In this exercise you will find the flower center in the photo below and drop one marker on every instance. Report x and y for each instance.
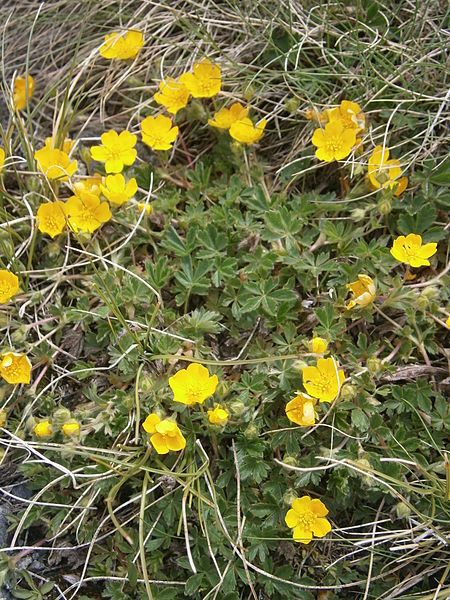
(306, 520)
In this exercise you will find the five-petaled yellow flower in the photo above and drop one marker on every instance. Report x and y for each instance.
(118, 190)
(411, 251)
(122, 45)
(116, 151)
(55, 164)
(9, 285)
(43, 429)
(86, 213)
(67, 145)
(15, 368)
(165, 434)
(51, 218)
(173, 95)
(349, 114)
(324, 380)
(307, 518)
(2, 159)
(245, 132)
(363, 292)
(225, 117)
(318, 345)
(71, 428)
(193, 384)
(159, 132)
(23, 91)
(205, 81)
(218, 415)
(384, 173)
(301, 410)
(334, 141)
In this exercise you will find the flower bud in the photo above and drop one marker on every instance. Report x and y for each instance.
(348, 391)
(289, 496)
(385, 204)
(61, 415)
(249, 93)
(292, 105)
(290, 460)
(402, 510)
(237, 408)
(252, 432)
(374, 364)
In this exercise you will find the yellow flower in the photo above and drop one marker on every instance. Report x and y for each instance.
(55, 164)
(86, 213)
(317, 116)
(51, 218)
(15, 368)
(193, 384)
(173, 95)
(122, 45)
(350, 115)
(3, 418)
(245, 132)
(225, 117)
(116, 151)
(307, 518)
(205, 81)
(43, 429)
(9, 285)
(334, 142)
(2, 159)
(117, 190)
(363, 292)
(218, 415)
(142, 206)
(300, 410)
(67, 145)
(318, 345)
(23, 91)
(409, 250)
(158, 132)
(90, 184)
(447, 322)
(71, 428)
(324, 380)
(165, 434)
(384, 173)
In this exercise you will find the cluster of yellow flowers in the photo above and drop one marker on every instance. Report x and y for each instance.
(190, 386)
(340, 135)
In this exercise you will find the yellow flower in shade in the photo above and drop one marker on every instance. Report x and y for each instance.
(363, 292)
(384, 173)
(307, 519)
(411, 251)
(55, 164)
(116, 151)
(3, 418)
(159, 132)
(350, 115)
(15, 368)
(142, 206)
(122, 45)
(23, 91)
(71, 428)
(43, 429)
(90, 184)
(2, 159)
(118, 190)
(324, 380)
(334, 141)
(301, 410)
(67, 144)
(218, 415)
(318, 345)
(205, 81)
(51, 218)
(447, 322)
(9, 285)
(245, 132)
(225, 117)
(165, 434)
(86, 213)
(193, 384)
(173, 95)
(312, 114)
